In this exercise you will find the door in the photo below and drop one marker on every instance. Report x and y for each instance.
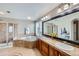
(7, 32)
(76, 29)
(12, 31)
(3, 33)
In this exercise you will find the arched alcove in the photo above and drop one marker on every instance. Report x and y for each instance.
(75, 29)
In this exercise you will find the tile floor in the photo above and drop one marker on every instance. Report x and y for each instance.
(19, 51)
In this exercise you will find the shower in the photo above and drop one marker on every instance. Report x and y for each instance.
(7, 33)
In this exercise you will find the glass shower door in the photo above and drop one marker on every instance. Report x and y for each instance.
(12, 33)
(7, 33)
(3, 38)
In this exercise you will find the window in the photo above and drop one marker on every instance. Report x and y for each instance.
(10, 29)
(26, 30)
(39, 28)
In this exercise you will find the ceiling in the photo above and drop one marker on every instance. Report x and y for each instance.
(21, 11)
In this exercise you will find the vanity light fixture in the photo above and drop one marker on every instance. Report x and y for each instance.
(59, 10)
(43, 18)
(66, 6)
(46, 17)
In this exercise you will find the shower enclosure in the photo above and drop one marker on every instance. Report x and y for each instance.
(7, 33)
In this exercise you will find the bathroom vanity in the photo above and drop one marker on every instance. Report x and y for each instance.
(53, 47)
(47, 50)
(60, 28)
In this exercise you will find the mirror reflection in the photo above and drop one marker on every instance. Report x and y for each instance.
(66, 27)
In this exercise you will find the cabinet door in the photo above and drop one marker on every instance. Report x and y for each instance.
(53, 52)
(44, 48)
(38, 45)
(63, 54)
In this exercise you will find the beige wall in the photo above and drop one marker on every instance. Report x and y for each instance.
(21, 24)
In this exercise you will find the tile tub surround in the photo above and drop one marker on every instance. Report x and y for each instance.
(24, 43)
(18, 51)
(74, 51)
(27, 42)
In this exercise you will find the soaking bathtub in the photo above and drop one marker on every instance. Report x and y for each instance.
(27, 42)
(29, 38)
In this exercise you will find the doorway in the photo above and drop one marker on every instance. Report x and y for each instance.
(76, 30)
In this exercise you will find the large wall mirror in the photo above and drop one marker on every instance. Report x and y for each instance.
(64, 26)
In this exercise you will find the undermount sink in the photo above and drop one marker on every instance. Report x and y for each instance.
(64, 46)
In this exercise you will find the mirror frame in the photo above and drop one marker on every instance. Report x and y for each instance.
(58, 16)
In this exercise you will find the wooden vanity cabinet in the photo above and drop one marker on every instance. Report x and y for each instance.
(38, 44)
(47, 50)
(44, 48)
(53, 52)
(56, 52)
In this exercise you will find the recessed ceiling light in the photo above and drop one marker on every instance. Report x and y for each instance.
(1, 13)
(28, 17)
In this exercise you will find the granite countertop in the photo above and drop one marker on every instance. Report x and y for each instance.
(70, 50)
